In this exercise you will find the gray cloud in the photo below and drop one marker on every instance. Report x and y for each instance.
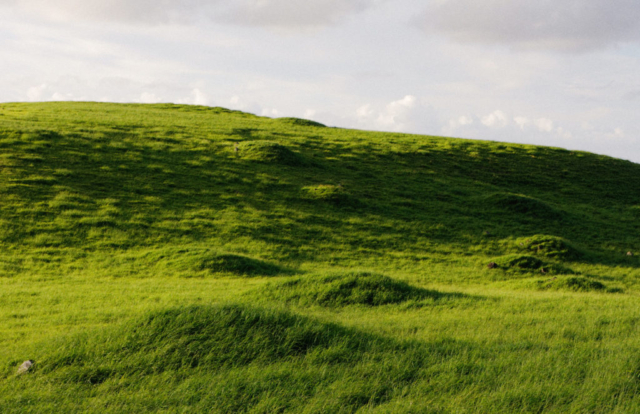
(285, 13)
(559, 25)
(261, 13)
(632, 95)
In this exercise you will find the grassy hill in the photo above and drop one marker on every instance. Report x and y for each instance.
(173, 258)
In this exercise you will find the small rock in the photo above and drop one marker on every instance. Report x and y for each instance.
(492, 265)
(26, 366)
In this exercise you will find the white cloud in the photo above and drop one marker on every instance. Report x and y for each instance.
(293, 14)
(57, 96)
(409, 114)
(265, 13)
(617, 133)
(465, 120)
(271, 112)
(496, 119)
(396, 113)
(562, 133)
(36, 93)
(456, 124)
(544, 124)
(196, 97)
(148, 97)
(521, 121)
(573, 26)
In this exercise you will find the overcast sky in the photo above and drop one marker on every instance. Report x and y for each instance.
(563, 73)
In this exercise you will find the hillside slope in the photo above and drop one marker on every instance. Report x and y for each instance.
(113, 213)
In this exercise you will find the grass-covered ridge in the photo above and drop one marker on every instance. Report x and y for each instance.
(327, 270)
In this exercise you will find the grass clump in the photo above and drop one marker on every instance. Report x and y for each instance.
(523, 263)
(332, 194)
(269, 152)
(549, 246)
(350, 288)
(523, 205)
(300, 122)
(238, 265)
(574, 284)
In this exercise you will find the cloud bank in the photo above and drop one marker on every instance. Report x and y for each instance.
(558, 25)
(260, 13)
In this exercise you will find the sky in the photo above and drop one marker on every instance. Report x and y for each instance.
(563, 73)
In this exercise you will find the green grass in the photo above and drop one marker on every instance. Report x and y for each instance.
(175, 258)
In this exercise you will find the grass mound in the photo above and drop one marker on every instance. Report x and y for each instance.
(301, 122)
(332, 194)
(238, 265)
(574, 284)
(228, 359)
(268, 151)
(524, 205)
(352, 288)
(549, 246)
(525, 263)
